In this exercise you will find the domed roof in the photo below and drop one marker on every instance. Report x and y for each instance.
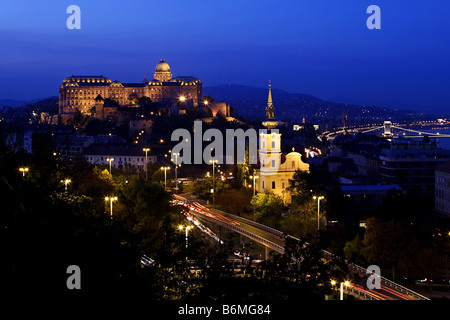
(162, 66)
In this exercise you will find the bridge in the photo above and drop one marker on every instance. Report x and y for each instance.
(388, 127)
(274, 240)
(387, 131)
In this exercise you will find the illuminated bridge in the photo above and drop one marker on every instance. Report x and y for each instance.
(274, 240)
(388, 127)
(386, 130)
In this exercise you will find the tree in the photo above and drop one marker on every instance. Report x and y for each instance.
(267, 205)
(235, 201)
(146, 207)
(203, 188)
(383, 243)
(302, 222)
(352, 250)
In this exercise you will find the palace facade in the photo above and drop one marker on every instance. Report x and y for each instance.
(80, 92)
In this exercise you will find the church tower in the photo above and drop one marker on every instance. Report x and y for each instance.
(276, 168)
(269, 146)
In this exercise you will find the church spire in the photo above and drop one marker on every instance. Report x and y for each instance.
(269, 100)
(271, 123)
(270, 110)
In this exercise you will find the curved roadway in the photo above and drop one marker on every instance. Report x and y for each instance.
(274, 239)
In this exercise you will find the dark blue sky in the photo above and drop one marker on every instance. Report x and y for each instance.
(317, 47)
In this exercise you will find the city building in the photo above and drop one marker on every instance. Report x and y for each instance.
(125, 157)
(276, 168)
(369, 196)
(79, 92)
(411, 165)
(87, 94)
(442, 189)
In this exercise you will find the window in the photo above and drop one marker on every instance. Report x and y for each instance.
(273, 144)
(273, 163)
(282, 185)
(263, 185)
(293, 163)
(273, 184)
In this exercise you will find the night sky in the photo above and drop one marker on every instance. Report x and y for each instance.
(317, 47)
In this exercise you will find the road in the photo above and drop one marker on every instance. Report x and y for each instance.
(274, 239)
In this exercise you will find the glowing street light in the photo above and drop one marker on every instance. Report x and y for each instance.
(341, 288)
(187, 228)
(110, 160)
(146, 166)
(176, 171)
(24, 170)
(66, 182)
(318, 211)
(111, 200)
(182, 98)
(165, 176)
(214, 181)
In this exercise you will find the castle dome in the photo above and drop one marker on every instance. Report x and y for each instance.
(162, 66)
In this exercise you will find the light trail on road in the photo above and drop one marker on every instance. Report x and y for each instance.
(277, 238)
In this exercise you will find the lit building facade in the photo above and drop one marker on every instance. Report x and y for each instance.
(276, 168)
(125, 157)
(80, 92)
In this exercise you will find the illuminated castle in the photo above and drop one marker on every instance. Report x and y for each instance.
(80, 92)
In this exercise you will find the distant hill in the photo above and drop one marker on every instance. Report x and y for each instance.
(226, 92)
(12, 103)
(250, 102)
(46, 105)
(23, 103)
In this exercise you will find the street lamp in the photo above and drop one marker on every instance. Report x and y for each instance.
(318, 211)
(146, 165)
(111, 200)
(176, 171)
(187, 228)
(214, 180)
(165, 176)
(110, 160)
(254, 189)
(341, 288)
(24, 170)
(66, 182)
